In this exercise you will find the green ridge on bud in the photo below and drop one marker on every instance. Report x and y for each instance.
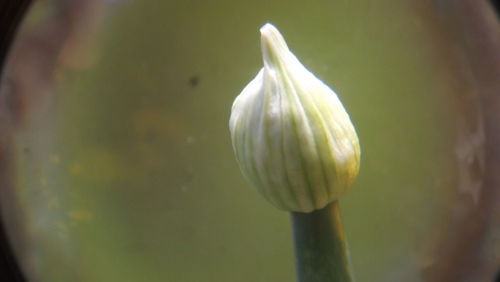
(292, 137)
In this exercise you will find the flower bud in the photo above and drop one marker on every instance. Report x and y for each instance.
(292, 137)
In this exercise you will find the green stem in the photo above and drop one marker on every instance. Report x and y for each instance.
(321, 249)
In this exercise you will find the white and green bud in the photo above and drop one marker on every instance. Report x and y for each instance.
(292, 137)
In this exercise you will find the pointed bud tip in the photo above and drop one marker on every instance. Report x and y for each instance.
(268, 28)
(273, 44)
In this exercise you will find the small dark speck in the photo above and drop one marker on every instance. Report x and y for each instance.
(194, 80)
(27, 150)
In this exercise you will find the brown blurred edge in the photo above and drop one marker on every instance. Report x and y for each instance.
(11, 13)
(471, 29)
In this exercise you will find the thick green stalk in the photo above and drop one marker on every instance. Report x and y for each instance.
(320, 246)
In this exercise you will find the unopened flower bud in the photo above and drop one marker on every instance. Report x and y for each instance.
(292, 137)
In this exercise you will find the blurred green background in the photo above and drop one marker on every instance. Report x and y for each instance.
(124, 169)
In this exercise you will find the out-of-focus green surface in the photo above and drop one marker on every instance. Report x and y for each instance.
(129, 174)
